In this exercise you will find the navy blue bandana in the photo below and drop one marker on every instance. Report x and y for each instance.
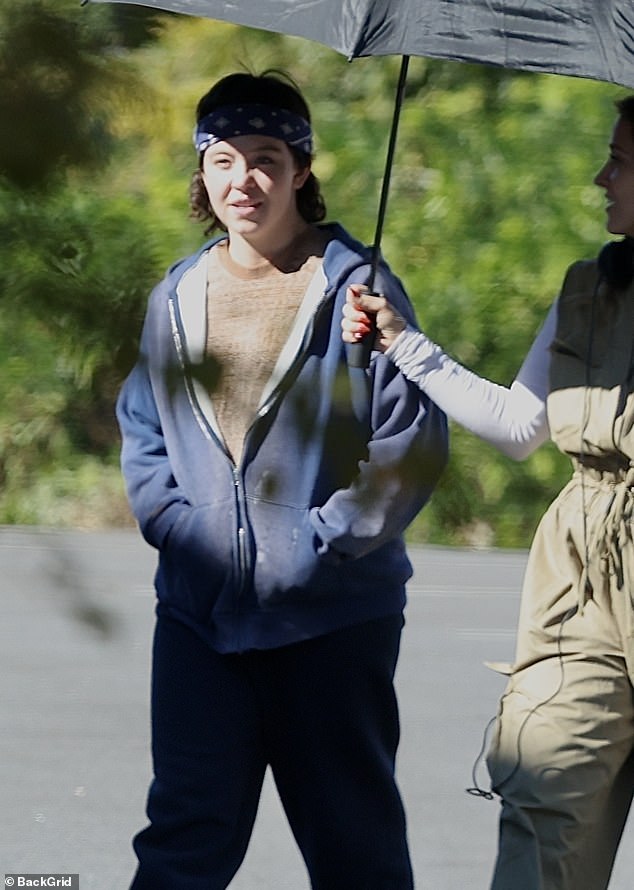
(246, 120)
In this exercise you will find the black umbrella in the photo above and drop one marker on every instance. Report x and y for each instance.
(584, 38)
(580, 38)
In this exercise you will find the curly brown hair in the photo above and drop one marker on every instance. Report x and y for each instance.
(273, 88)
(625, 108)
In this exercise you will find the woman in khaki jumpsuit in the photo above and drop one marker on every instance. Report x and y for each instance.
(562, 756)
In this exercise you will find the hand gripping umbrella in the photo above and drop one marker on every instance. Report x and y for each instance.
(579, 38)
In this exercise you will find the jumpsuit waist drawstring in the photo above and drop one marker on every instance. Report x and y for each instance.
(608, 554)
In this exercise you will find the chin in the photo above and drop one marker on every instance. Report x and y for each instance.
(617, 227)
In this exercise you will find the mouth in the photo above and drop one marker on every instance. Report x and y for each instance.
(245, 200)
(245, 207)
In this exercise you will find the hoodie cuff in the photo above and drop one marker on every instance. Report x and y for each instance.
(324, 549)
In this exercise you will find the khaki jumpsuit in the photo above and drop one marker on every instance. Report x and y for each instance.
(562, 753)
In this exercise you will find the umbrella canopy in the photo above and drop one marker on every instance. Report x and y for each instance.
(578, 38)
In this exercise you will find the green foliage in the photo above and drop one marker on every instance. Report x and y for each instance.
(75, 264)
(52, 69)
(491, 199)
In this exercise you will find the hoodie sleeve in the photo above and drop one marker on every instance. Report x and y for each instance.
(153, 493)
(406, 454)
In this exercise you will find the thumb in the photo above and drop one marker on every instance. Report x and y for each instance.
(358, 296)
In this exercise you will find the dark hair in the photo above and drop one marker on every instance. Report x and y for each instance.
(625, 108)
(267, 88)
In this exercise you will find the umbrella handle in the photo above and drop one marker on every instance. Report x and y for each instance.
(359, 352)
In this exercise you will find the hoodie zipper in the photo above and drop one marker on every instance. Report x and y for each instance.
(244, 563)
(244, 560)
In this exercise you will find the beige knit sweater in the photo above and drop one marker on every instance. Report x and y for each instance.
(250, 313)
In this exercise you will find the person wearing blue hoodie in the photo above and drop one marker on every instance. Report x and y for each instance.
(275, 482)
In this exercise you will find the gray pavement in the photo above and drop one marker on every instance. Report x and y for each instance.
(75, 635)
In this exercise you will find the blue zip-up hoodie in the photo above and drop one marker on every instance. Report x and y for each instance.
(303, 536)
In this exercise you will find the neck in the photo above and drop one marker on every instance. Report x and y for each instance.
(251, 255)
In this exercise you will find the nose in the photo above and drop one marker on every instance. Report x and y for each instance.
(602, 177)
(241, 173)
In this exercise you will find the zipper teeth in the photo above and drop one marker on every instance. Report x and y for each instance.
(243, 561)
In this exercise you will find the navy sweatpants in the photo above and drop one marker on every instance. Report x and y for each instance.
(322, 713)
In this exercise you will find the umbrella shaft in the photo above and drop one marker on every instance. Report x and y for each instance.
(376, 249)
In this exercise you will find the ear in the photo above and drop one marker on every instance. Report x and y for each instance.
(301, 175)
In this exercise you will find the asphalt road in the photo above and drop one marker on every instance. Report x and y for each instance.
(77, 615)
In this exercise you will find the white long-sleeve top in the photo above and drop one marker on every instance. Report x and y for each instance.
(512, 419)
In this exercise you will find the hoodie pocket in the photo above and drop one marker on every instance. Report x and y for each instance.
(288, 566)
(197, 562)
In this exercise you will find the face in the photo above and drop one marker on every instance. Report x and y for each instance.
(252, 183)
(617, 178)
